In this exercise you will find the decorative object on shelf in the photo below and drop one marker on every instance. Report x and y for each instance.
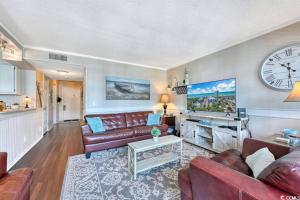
(187, 77)
(280, 69)
(2, 106)
(15, 106)
(287, 132)
(118, 88)
(180, 89)
(165, 98)
(155, 132)
(27, 101)
(294, 96)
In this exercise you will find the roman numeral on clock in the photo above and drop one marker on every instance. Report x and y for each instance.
(288, 52)
(268, 71)
(278, 82)
(277, 57)
(270, 79)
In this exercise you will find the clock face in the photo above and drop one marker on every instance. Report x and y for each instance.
(281, 69)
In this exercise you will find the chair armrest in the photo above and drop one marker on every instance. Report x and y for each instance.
(3, 163)
(252, 145)
(212, 180)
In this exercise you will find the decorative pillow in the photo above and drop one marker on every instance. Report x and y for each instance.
(95, 124)
(153, 119)
(259, 160)
(284, 173)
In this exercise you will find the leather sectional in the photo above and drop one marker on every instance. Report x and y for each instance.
(121, 129)
(227, 176)
(14, 185)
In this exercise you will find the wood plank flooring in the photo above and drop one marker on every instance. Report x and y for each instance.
(48, 159)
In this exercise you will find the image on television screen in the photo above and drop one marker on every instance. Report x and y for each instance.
(215, 96)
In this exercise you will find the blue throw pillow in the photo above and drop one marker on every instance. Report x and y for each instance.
(153, 119)
(95, 124)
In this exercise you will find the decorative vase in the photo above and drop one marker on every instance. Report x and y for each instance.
(155, 138)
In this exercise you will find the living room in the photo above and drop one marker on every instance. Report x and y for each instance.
(149, 100)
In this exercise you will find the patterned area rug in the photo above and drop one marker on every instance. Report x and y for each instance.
(105, 176)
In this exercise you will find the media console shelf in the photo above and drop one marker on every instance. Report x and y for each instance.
(215, 133)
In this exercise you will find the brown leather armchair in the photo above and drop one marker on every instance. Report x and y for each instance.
(14, 185)
(227, 176)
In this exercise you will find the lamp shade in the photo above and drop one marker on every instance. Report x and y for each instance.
(294, 96)
(164, 98)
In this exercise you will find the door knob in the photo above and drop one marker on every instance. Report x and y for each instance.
(64, 107)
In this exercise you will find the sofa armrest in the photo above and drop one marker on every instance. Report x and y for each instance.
(3, 163)
(86, 130)
(211, 180)
(252, 145)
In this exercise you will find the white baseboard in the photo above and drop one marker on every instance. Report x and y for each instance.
(21, 155)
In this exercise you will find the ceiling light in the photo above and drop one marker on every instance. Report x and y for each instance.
(62, 72)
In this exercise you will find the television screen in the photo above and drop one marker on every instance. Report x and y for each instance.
(215, 96)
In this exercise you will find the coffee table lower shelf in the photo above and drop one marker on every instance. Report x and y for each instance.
(150, 163)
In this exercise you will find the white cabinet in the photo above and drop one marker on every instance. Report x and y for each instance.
(223, 139)
(9, 79)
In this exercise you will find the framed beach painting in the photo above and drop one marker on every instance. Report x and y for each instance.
(119, 88)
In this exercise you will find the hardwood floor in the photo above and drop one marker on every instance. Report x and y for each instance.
(48, 159)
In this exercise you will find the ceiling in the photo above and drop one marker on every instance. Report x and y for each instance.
(74, 72)
(157, 33)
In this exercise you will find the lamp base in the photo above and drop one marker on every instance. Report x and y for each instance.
(165, 108)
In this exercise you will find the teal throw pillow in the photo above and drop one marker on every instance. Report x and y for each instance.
(95, 124)
(153, 119)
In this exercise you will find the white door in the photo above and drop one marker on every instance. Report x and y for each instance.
(71, 102)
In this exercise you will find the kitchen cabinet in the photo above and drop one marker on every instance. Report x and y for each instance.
(9, 79)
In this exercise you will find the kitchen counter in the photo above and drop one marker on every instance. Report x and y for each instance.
(16, 110)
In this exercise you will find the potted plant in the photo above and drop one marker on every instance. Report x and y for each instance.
(155, 132)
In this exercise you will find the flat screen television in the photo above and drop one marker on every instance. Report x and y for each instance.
(215, 96)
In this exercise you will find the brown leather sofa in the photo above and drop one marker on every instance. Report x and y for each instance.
(14, 185)
(121, 129)
(227, 176)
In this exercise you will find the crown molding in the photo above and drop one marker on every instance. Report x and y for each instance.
(91, 57)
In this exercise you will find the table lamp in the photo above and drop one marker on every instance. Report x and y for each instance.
(294, 96)
(165, 98)
(27, 100)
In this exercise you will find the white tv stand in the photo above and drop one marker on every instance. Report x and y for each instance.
(215, 133)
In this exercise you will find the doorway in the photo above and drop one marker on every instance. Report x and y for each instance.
(71, 100)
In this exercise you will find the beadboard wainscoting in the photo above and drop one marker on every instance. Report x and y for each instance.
(19, 132)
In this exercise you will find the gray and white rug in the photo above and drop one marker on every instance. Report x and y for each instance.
(105, 176)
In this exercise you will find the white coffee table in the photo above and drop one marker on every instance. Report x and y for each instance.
(134, 148)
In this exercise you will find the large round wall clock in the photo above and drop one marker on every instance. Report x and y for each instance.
(281, 69)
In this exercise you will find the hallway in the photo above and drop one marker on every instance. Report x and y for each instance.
(48, 159)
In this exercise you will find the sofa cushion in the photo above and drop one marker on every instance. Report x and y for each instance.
(185, 183)
(95, 124)
(259, 160)
(144, 130)
(153, 119)
(284, 173)
(111, 121)
(116, 134)
(232, 158)
(136, 118)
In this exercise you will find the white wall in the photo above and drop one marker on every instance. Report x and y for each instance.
(95, 99)
(268, 112)
(94, 82)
